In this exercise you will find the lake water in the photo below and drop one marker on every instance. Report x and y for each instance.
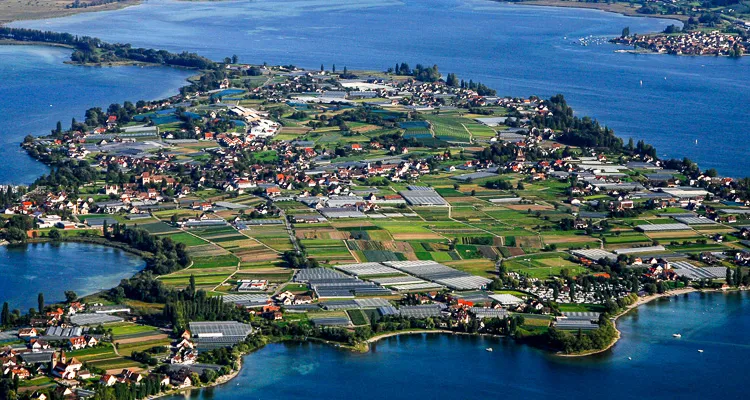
(458, 367)
(518, 50)
(37, 89)
(50, 268)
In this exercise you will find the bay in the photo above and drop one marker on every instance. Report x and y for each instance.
(647, 363)
(519, 50)
(37, 89)
(53, 268)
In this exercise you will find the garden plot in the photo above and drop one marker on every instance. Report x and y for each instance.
(187, 239)
(217, 261)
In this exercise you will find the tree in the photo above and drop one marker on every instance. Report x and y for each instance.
(70, 296)
(40, 302)
(5, 315)
(452, 80)
(191, 286)
(55, 235)
(14, 234)
(208, 375)
(729, 276)
(235, 59)
(625, 32)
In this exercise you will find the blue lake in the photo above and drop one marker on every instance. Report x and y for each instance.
(27, 270)
(37, 89)
(519, 50)
(647, 363)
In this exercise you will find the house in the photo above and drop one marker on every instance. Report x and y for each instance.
(38, 396)
(20, 372)
(77, 343)
(107, 380)
(273, 191)
(181, 378)
(128, 376)
(66, 370)
(28, 333)
(302, 299)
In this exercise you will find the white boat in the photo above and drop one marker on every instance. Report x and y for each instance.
(700, 351)
(488, 349)
(677, 335)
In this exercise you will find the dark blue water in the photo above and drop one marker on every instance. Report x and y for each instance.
(458, 367)
(519, 50)
(37, 89)
(27, 270)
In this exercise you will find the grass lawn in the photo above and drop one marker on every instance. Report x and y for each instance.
(130, 329)
(572, 307)
(357, 317)
(224, 260)
(187, 239)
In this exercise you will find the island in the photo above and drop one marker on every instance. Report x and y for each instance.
(276, 203)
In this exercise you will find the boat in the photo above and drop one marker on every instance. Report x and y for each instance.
(630, 358)
(700, 351)
(488, 349)
(677, 335)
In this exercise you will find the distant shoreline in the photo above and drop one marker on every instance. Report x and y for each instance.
(52, 12)
(617, 8)
(47, 12)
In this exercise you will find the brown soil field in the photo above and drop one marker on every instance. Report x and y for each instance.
(143, 339)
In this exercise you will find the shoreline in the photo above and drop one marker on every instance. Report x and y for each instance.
(641, 301)
(224, 379)
(49, 13)
(610, 8)
(374, 339)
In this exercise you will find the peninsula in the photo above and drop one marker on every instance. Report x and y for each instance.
(277, 203)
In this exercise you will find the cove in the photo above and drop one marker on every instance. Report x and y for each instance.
(647, 363)
(53, 268)
(37, 89)
(518, 50)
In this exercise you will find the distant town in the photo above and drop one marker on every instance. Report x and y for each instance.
(275, 203)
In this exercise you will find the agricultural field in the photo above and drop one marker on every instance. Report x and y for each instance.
(543, 265)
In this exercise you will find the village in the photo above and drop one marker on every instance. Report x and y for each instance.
(693, 43)
(341, 206)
